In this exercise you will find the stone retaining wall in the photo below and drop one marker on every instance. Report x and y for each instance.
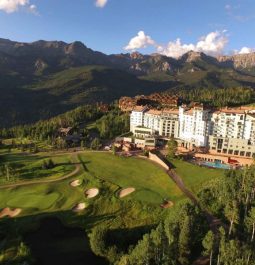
(156, 159)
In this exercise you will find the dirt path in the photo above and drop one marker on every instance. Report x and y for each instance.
(212, 220)
(35, 182)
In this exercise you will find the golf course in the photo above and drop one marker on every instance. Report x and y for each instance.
(83, 190)
(76, 192)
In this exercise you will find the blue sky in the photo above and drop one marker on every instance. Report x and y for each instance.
(111, 25)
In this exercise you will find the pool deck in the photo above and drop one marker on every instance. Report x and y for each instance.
(211, 157)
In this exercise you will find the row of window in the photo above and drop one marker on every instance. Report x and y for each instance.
(234, 152)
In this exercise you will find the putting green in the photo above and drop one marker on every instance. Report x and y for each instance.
(40, 201)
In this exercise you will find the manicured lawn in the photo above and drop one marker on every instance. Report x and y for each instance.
(105, 171)
(139, 210)
(195, 176)
(152, 184)
(29, 166)
(41, 198)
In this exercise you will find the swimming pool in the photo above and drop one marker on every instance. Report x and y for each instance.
(215, 165)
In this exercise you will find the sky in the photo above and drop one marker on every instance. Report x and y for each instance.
(169, 27)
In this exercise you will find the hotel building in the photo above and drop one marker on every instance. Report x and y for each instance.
(226, 131)
(233, 132)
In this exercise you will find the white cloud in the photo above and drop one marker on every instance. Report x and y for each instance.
(10, 6)
(175, 48)
(33, 9)
(101, 3)
(141, 40)
(245, 50)
(212, 44)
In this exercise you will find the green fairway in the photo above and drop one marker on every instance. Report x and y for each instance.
(139, 211)
(29, 166)
(152, 184)
(105, 171)
(40, 198)
(195, 176)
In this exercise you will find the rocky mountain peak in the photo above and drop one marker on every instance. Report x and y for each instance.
(239, 60)
(76, 47)
(191, 56)
(136, 55)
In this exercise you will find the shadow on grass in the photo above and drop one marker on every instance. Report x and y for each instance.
(132, 236)
(27, 157)
(51, 241)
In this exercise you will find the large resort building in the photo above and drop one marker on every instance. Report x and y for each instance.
(155, 122)
(195, 126)
(227, 132)
(233, 132)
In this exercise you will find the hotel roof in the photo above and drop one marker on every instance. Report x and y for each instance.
(139, 108)
(170, 111)
(154, 112)
(232, 111)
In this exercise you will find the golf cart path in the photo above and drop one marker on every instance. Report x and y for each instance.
(27, 183)
(212, 220)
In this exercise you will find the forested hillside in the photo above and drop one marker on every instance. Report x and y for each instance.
(42, 79)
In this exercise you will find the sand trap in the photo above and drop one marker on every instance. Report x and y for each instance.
(91, 193)
(167, 204)
(79, 207)
(126, 192)
(11, 213)
(76, 183)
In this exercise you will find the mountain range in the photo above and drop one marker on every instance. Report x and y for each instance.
(45, 78)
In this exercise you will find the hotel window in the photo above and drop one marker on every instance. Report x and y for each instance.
(248, 154)
(230, 152)
(242, 153)
(219, 144)
(236, 152)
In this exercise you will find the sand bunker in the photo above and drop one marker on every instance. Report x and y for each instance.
(11, 213)
(91, 193)
(126, 192)
(167, 204)
(76, 183)
(79, 207)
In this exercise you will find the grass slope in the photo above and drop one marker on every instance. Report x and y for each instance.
(29, 166)
(152, 183)
(107, 172)
(195, 177)
(132, 215)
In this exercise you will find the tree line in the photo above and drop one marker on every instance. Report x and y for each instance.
(218, 97)
(46, 130)
(184, 234)
(113, 124)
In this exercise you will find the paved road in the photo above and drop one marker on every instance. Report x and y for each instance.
(35, 182)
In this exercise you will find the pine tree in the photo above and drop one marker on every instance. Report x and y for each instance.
(184, 242)
(172, 148)
(251, 222)
(208, 244)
